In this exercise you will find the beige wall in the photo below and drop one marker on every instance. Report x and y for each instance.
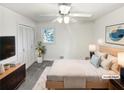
(115, 17)
(8, 26)
(71, 41)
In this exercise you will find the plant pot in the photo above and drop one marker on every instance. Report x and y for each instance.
(7, 67)
(39, 59)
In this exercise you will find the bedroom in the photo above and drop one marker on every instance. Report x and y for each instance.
(67, 41)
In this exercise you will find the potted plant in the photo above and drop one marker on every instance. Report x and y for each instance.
(41, 50)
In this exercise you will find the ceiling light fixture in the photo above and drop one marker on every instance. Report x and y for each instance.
(60, 19)
(66, 19)
(64, 9)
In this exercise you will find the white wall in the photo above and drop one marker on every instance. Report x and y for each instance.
(71, 41)
(8, 26)
(115, 17)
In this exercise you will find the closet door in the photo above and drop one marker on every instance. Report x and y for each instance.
(32, 45)
(31, 49)
(20, 44)
(25, 45)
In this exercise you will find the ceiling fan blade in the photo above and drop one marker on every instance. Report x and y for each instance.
(73, 20)
(80, 15)
(47, 15)
(53, 21)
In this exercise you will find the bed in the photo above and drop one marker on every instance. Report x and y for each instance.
(80, 73)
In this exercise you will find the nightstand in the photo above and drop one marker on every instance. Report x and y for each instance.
(116, 84)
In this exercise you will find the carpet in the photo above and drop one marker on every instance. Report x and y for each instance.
(41, 83)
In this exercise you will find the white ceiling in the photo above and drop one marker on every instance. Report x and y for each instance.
(34, 10)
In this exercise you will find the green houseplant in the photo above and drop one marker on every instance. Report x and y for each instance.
(41, 50)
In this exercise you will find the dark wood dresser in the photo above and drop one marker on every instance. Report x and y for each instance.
(13, 77)
(116, 84)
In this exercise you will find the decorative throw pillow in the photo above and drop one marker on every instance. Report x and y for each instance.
(115, 67)
(112, 58)
(95, 60)
(106, 64)
(98, 53)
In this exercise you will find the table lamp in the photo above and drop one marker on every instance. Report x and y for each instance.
(121, 63)
(92, 49)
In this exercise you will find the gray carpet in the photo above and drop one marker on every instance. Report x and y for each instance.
(33, 73)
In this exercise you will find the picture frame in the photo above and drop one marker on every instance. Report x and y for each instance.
(48, 35)
(114, 34)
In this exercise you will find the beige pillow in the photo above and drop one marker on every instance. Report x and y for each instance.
(100, 54)
(115, 67)
(112, 58)
(106, 64)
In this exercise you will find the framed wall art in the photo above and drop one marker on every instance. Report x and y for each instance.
(48, 35)
(115, 34)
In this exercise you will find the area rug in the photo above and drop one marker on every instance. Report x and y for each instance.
(41, 83)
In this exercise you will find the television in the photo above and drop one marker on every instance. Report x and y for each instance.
(7, 47)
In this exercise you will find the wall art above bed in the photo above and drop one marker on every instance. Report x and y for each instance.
(115, 34)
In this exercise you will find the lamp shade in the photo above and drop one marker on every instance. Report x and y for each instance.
(121, 58)
(100, 41)
(92, 47)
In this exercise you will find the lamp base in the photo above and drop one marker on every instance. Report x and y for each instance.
(122, 73)
(91, 54)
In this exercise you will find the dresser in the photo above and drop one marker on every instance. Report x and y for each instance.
(13, 77)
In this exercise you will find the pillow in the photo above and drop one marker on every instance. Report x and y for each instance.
(98, 53)
(112, 58)
(95, 60)
(115, 67)
(106, 64)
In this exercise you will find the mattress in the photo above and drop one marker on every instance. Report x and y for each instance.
(79, 68)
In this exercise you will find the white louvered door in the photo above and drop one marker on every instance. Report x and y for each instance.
(25, 41)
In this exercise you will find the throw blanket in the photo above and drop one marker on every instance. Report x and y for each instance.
(74, 82)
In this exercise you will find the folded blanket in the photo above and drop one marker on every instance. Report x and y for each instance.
(74, 82)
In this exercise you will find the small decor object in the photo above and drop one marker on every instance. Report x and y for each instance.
(92, 49)
(13, 64)
(6, 66)
(48, 35)
(121, 63)
(41, 50)
(2, 70)
(115, 34)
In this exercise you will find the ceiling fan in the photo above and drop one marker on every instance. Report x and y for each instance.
(64, 15)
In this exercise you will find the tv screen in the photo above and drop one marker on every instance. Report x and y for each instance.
(7, 47)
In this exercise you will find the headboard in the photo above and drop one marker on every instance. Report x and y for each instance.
(110, 50)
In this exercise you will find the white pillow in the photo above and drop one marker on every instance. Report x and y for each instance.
(106, 64)
(101, 54)
(112, 58)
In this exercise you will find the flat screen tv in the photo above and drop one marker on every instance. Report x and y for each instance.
(7, 47)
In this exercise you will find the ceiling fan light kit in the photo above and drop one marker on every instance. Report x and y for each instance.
(64, 9)
(65, 14)
(59, 19)
(66, 19)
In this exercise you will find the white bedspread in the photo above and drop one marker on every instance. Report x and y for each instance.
(62, 69)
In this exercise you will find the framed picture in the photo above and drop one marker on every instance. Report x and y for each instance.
(115, 34)
(48, 35)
